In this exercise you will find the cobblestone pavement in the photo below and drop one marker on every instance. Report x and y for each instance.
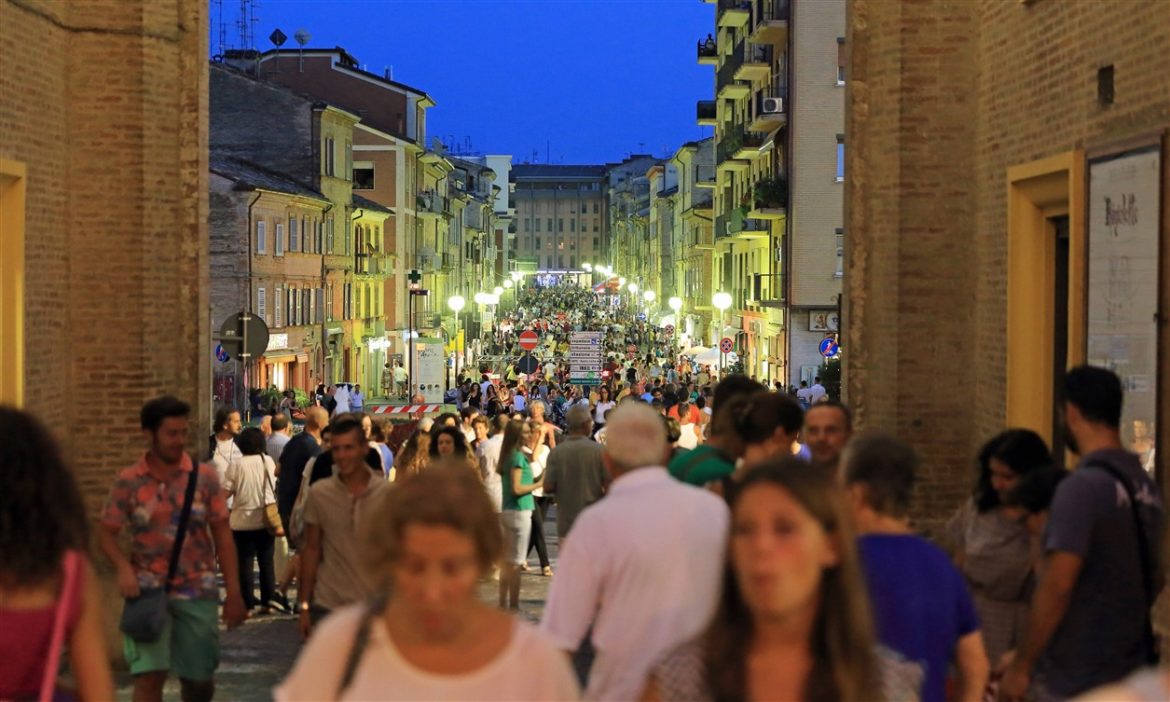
(256, 656)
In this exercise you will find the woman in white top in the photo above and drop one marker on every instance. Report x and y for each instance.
(223, 442)
(249, 482)
(603, 405)
(429, 637)
(537, 454)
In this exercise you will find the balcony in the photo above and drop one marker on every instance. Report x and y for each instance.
(733, 13)
(751, 145)
(770, 22)
(705, 113)
(740, 226)
(431, 204)
(769, 199)
(769, 290)
(727, 148)
(769, 110)
(726, 85)
(707, 52)
(757, 62)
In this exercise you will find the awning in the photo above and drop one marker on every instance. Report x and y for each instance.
(280, 356)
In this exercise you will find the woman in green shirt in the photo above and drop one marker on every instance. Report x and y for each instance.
(516, 515)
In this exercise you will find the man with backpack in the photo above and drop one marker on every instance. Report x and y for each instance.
(1090, 622)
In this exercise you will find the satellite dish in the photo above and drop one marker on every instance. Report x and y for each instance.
(278, 38)
(302, 37)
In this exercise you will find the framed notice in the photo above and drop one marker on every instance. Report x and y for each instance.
(1122, 284)
(823, 321)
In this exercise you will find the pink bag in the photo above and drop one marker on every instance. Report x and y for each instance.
(57, 643)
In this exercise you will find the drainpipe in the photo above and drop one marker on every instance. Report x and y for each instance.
(248, 300)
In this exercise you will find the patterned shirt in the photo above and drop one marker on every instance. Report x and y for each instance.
(151, 509)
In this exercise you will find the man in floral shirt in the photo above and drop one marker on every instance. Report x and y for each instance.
(148, 499)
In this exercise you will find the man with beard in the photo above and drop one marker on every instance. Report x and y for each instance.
(1090, 621)
(827, 428)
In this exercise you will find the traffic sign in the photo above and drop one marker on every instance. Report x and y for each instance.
(221, 354)
(829, 347)
(726, 345)
(527, 364)
(233, 332)
(669, 330)
(529, 340)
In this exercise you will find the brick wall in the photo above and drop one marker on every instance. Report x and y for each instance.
(942, 99)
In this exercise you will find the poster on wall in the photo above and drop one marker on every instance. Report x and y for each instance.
(430, 361)
(824, 321)
(1122, 285)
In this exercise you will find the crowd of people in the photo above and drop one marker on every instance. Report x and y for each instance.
(717, 542)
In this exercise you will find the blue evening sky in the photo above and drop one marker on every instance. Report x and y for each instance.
(585, 81)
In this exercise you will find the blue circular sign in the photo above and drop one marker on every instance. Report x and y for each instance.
(221, 354)
(829, 347)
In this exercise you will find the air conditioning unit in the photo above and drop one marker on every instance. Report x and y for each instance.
(773, 106)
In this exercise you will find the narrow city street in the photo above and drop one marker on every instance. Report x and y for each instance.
(258, 655)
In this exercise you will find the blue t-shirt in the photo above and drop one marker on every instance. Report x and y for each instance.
(920, 603)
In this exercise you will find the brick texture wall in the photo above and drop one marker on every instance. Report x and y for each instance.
(942, 99)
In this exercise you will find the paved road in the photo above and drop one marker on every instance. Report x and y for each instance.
(255, 657)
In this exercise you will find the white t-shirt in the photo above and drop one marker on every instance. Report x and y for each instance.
(600, 410)
(529, 668)
(804, 395)
(816, 392)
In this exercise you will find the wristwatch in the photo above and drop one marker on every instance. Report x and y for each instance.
(303, 606)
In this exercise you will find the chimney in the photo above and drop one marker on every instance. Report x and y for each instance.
(388, 73)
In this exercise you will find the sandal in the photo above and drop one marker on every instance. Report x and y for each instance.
(525, 568)
(547, 571)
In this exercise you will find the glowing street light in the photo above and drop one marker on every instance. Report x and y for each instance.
(588, 267)
(675, 303)
(648, 296)
(480, 298)
(456, 303)
(634, 288)
(498, 291)
(508, 283)
(517, 275)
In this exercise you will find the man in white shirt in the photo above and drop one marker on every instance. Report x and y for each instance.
(817, 391)
(342, 398)
(647, 558)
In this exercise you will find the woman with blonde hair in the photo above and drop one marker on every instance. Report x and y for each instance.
(427, 636)
(793, 622)
(414, 456)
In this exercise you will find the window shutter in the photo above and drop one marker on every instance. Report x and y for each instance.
(261, 306)
(293, 244)
(276, 306)
(278, 241)
(260, 237)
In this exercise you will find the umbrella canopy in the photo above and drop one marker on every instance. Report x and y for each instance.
(711, 357)
(694, 350)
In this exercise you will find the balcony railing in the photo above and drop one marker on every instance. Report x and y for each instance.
(731, 13)
(737, 138)
(771, 194)
(707, 52)
(433, 203)
(770, 11)
(726, 73)
(705, 173)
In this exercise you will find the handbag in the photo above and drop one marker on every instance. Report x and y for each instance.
(144, 617)
(1150, 642)
(60, 617)
(272, 521)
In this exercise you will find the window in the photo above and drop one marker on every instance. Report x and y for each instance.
(840, 253)
(550, 227)
(346, 235)
(261, 238)
(294, 243)
(572, 262)
(840, 158)
(329, 303)
(840, 60)
(278, 241)
(595, 204)
(550, 262)
(363, 177)
(319, 240)
(329, 154)
(595, 225)
(537, 228)
(276, 306)
(297, 307)
(306, 300)
(315, 306)
(261, 304)
(347, 313)
(348, 159)
(537, 246)
(560, 225)
(596, 241)
(329, 232)
(572, 225)
(290, 306)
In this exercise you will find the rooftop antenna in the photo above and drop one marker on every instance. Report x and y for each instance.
(222, 26)
(302, 38)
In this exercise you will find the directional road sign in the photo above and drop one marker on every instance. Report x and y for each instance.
(726, 345)
(529, 340)
(829, 347)
(221, 354)
(586, 357)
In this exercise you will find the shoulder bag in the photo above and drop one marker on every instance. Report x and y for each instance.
(272, 520)
(360, 640)
(1151, 643)
(144, 617)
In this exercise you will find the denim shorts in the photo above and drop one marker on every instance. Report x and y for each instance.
(517, 526)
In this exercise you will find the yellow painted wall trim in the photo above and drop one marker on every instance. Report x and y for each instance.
(13, 180)
(1039, 190)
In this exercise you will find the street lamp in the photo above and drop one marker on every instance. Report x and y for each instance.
(517, 275)
(675, 304)
(634, 288)
(648, 296)
(588, 267)
(498, 291)
(722, 301)
(456, 303)
(508, 283)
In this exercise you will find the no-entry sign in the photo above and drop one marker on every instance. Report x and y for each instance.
(528, 340)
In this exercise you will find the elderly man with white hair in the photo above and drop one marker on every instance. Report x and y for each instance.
(642, 566)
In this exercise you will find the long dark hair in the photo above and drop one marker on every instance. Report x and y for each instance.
(510, 448)
(456, 435)
(842, 643)
(41, 511)
(1022, 450)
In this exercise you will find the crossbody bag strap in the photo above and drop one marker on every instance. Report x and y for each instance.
(71, 565)
(360, 640)
(1143, 555)
(184, 518)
